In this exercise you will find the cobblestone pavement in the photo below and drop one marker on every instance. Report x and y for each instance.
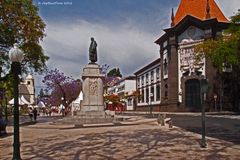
(145, 140)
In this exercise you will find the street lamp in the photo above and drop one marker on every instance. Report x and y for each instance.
(63, 107)
(16, 57)
(203, 90)
(215, 102)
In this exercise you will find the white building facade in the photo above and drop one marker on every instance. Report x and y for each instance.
(149, 86)
(123, 89)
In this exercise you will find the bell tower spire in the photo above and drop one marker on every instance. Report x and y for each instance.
(208, 15)
(172, 18)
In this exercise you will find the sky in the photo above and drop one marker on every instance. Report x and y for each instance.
(125, 31)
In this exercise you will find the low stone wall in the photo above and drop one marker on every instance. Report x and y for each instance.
(165, 108)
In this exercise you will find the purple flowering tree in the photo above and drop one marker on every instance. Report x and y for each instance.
(62, 89)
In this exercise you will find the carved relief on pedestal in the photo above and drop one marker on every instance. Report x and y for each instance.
(93, 86)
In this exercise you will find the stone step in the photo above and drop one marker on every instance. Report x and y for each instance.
(88, 117)
(91, 113)
(81, 121)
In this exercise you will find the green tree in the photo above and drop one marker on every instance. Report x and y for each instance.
(20, 23)
(41, 93)
(115, 72)
(226, 50)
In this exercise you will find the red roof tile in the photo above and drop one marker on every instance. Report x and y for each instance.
(197, 8)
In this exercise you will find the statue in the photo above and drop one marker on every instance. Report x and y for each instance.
(93, 51)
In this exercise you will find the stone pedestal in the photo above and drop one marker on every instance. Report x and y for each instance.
(92, 88)
(92, 108)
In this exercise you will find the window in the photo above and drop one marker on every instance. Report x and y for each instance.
(152, 93)
(147, 95)
(157, 73)
(165, 71)
(165, 63)
(147, 78)
(165, 44)
(142, 80)
(121, 88)
(138, 82)
(139, 97)
(152, 76)
(129, 101)
(142, 96)
(158, 92)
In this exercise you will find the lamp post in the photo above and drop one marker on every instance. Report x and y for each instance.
(203, 90)
(63, 107)
(215, 102)
(16, 57)
(4, 98)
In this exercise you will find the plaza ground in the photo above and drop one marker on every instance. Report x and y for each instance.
(139, 138)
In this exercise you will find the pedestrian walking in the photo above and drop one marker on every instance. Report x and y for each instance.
(35, 114)
(30, 113)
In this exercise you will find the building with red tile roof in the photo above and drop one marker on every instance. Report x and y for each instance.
(181, 76)
(200, 10)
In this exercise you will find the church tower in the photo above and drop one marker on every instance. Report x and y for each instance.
(27, 89)
(31, 88)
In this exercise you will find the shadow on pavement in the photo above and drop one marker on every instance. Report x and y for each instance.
(216, 127)
(140, 144)
(8, 134)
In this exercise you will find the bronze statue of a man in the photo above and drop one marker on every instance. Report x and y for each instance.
(93, 51)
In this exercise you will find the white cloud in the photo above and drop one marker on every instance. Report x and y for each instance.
(228, 7)
(125, 46)
(121, 46)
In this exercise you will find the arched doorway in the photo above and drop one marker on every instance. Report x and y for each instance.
(192, 94)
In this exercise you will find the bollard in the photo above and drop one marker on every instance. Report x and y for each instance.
(164, 116)
(163, 120)
(159, 119)
(170, 123)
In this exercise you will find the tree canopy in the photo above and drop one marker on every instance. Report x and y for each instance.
(115, 72)
(20, 23)
(224, 49)
(61, 86)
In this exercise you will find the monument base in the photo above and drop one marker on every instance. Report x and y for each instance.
(89, 117)
(92, 109)
(92, 88)
(91, 114)
(87, 108)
